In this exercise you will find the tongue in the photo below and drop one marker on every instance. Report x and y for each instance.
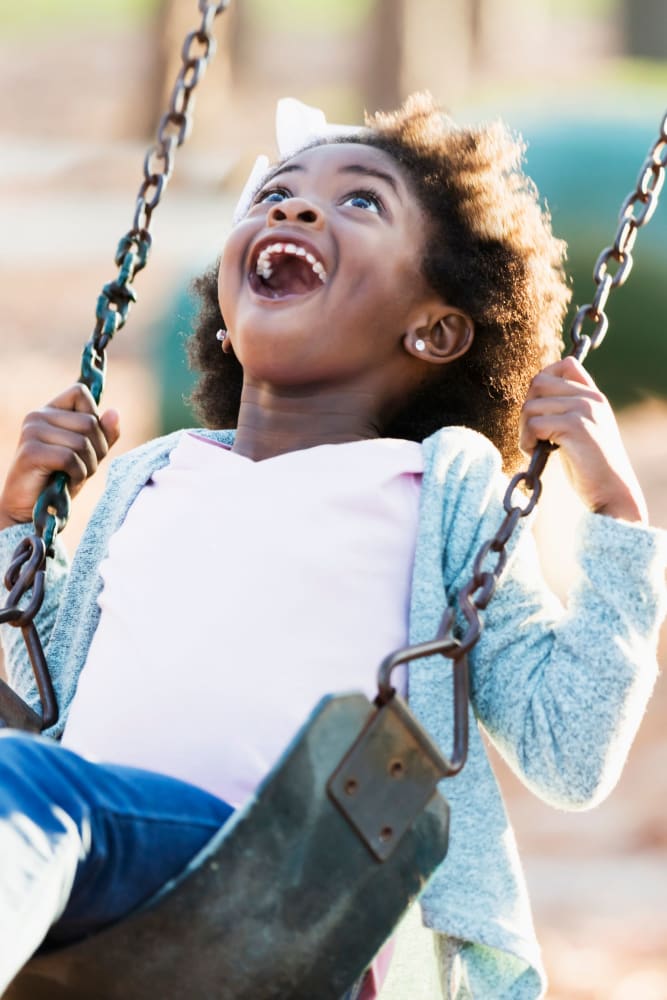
(290, 276)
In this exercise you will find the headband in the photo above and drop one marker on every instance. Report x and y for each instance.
(297, 125)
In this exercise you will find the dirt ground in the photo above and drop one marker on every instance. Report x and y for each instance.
(598, 880)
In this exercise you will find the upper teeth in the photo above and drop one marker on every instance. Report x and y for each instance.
(265, 270)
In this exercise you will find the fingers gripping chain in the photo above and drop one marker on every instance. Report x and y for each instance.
(52, 508)
(26, 573)
(454, 642)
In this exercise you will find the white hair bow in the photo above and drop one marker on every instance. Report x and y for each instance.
(297, 124)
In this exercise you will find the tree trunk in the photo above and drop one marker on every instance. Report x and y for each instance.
(645, 28)
(175, 19)
(381, 74)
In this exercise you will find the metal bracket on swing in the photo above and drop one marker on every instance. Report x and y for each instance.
(387, 778)
(393, 768)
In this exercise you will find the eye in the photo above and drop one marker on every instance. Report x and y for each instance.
(272, 195)
(367, 200)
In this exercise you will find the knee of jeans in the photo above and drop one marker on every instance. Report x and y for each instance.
(24, 758)
(36, 782)
(16, 745)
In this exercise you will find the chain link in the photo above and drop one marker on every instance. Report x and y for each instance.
(117, 296)
(451, 641)
(26, 573)
(614, 264)
(476, 594)
(25, 577)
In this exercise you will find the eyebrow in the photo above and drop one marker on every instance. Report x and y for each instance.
(353, 168)
(357, 168)
(286, 169)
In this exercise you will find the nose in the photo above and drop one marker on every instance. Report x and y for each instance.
(295, 210)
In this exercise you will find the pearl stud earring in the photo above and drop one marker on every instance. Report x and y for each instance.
(420, 345)
(220, 335)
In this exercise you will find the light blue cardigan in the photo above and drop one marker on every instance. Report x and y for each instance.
(560, 693)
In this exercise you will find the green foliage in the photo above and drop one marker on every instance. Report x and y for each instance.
(631, 364)
(585, 167)
(169, 362)
(47, 14)
(310, 15)
(591, 8)
(645, 74)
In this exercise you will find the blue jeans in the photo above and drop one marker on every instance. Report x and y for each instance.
(82, 844)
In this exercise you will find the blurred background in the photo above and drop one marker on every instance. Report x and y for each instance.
(81, 88)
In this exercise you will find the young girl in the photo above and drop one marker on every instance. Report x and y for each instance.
(381, 286)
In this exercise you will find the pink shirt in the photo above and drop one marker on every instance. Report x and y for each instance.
(236, 594)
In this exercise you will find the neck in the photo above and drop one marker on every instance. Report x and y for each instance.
(272, 421)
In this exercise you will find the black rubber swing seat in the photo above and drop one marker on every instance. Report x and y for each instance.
(294, 896)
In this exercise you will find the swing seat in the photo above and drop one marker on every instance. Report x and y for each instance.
(295, 895)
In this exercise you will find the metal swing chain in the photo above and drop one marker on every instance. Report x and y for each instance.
(27, 570)
(636, 211)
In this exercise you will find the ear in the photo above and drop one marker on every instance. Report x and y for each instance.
(442, 339)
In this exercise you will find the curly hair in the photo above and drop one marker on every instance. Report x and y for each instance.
(488, 250)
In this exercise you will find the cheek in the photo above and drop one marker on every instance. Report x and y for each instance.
(225, 299)
(230, 272)
(227, 295)
(381, 296)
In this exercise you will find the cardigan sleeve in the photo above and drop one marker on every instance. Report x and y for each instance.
(561, 691)
(70, 612)
(17, 662)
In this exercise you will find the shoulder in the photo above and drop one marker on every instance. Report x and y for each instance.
(462, 500)
(459, 455)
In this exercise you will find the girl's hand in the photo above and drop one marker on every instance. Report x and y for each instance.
(67, 436)
(565, 406)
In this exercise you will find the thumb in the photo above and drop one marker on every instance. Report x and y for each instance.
(110, 424)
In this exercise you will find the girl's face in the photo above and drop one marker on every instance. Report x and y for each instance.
(321, 280)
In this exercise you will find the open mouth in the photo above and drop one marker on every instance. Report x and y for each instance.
(283, 270)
